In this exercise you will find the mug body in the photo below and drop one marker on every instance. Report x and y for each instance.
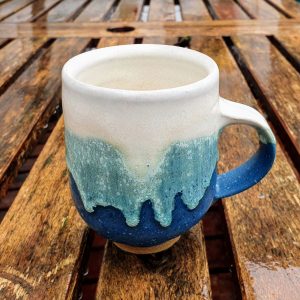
(141, 133)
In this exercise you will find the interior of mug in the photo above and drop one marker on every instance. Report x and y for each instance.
(139, 67)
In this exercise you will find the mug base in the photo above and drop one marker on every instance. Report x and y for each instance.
(148, 250)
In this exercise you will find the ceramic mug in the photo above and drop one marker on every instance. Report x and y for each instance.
(142, 124)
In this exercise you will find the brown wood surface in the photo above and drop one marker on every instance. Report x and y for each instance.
(161, 10)
(277, 79)
(10, 7)
(26, 106)
(178, 273)
(194, 10)
(32, 11)
(228, 10)
(291, 43)
(94, 11)
(42, 236)
(62, 12)
(152, 29)
(260, 9)
(15, 54)
(291, 7)
(127, 10)
(264, 222)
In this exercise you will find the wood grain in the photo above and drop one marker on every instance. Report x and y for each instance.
(264, 222)
(42, 236)
(291, 43)
(228, 10)
(178, 273)
(127, 10)
(151, 29)
(277, 79)
(26, 106)
(194, 10)
(161, 10)
(291, 7)
(10, 7)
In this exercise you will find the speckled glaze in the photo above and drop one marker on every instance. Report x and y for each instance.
(141, 127)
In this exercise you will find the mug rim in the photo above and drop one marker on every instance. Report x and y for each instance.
(79, 63)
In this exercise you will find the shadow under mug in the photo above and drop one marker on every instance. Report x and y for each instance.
(142, 124)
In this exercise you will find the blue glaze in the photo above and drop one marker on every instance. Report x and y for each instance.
(110, 222)
(103, 179)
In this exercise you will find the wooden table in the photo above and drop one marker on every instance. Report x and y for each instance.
(247, 246)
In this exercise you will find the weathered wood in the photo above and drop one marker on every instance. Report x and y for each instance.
(43, 215)
(107, 42)
(260, 9)
(127, 10)
(178, 273)
(161, 10)
(10, 7)
(277, 79)
(62, 12)
(291, 43)
(291, 7)
(194, 10)
(32, 11)
(264, 222)
(95, 11)
(151, 29)
(15, 54)
(228, 10)
(26, 105)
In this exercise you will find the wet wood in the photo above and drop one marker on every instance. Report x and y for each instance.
(14, 55)
(10, 7)
(194, 10)
(27, 104)
(228, 10)
(95, 11)
(277, 79)
(291, 7)
(178, 273)
(43, 215)
(127, 10)
(32, 11)
(264, 222)
(152, 29)
(62, 12)
(291, 43)
(260, 9)
(161, 10)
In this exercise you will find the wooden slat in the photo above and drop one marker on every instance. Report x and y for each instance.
(161, 10)
(264, 222)
(291, 7)
(291, 43)
(179, 273)
(95, 11)
(127, 10)
(228, 10)
(277, 79)
(27, 104)
(63, 11)
(31, 12)
(43, 215)
(10, 7)
(260, 9)
(152, 29)
(15, 54)
(194, 10)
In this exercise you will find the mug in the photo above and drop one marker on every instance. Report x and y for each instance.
(142, 124)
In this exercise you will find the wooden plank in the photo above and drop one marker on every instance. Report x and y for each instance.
(62, 12)
(151, 29)
(10, 7)
(291, 7)
(15, 54)
(32, 11)
(127, 10)
(228, 10)
(43, 215)
(95, 11)
(179, 273)
(194, 10)
(161, 10)
(264, 222)
(291, 43)
(260, 9)
(108, 42)
(28, 103)
(277, 79)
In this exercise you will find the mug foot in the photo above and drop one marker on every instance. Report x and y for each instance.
(148, 250)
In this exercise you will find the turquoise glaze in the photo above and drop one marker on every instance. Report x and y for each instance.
(103, 178)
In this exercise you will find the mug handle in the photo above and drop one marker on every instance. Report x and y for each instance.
(254, 169)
